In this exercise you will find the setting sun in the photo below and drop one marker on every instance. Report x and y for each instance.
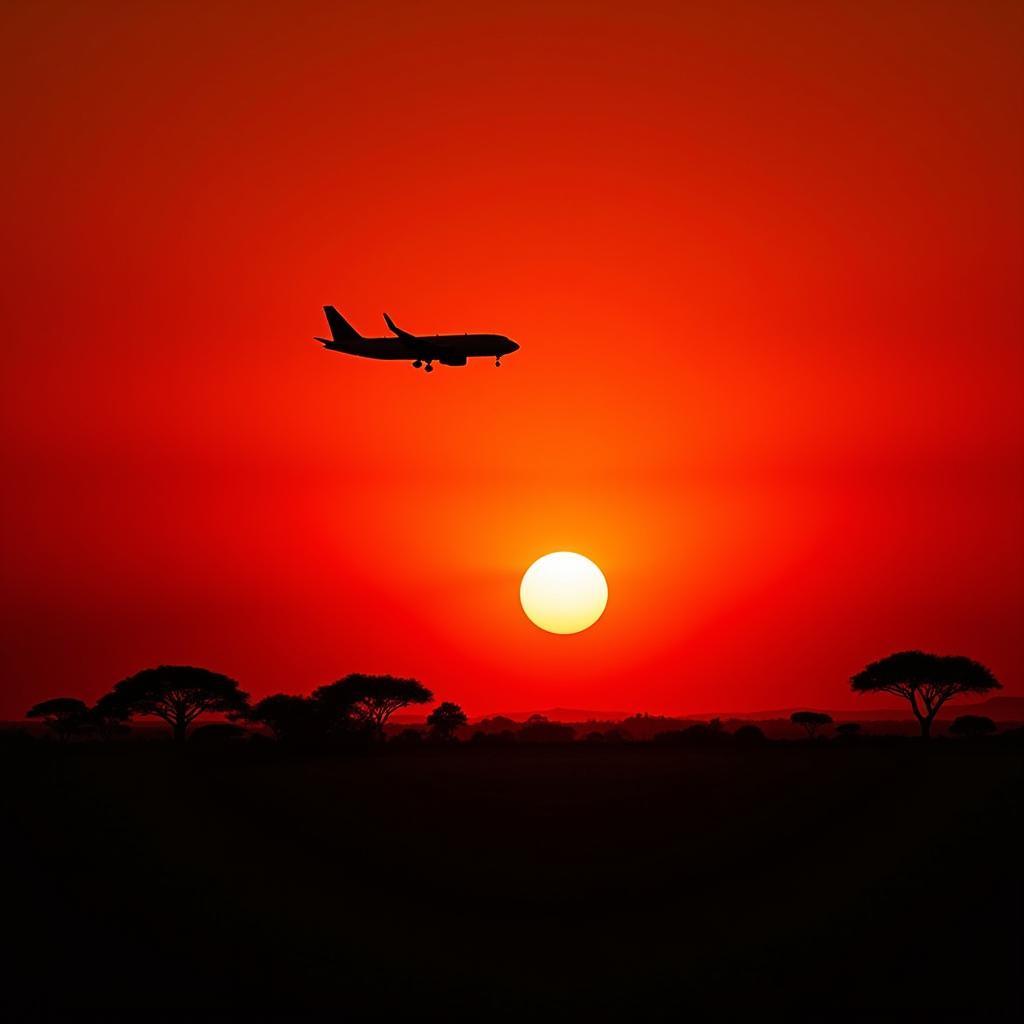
(563, 592)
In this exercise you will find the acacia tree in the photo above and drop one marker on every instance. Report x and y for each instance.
(445, 720)
(63, 716)
(369, 701)
(178, 694)
(810, 720)
(927, 681)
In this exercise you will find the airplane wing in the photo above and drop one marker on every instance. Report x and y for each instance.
(417, 342)
(397, 330)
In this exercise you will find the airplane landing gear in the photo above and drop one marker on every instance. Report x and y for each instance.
(418, 363)
(497, 362)
(429, 368)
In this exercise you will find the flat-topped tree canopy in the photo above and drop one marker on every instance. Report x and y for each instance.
(371, 700)
(176, 693)
(927, 681)
(57, 707)
(64, 716)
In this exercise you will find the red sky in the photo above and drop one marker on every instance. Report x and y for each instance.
(764, 262)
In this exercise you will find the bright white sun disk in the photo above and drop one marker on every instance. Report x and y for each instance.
(563, 592)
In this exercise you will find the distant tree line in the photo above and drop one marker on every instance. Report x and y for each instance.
(356, 709)
(357, 706)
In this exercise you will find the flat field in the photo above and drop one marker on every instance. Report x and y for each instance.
(639, 882)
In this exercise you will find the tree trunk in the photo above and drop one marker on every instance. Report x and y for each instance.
(926, 726)
(180, 728)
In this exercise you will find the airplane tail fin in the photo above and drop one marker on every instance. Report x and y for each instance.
(341, 329)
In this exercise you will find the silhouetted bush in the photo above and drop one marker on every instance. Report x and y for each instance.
(848, 730)
(972, 726)
(811, 721)
(496, 724)
(445, 720)
(749, 736)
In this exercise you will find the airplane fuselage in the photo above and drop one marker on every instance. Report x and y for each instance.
(437, 347)
(420, 350)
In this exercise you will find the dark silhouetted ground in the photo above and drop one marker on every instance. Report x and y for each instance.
(820, 881)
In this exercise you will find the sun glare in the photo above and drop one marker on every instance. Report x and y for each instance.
(563, 592)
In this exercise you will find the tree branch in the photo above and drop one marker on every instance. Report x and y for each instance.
(917, 710)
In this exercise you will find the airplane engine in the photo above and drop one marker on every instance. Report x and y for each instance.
(452, 360)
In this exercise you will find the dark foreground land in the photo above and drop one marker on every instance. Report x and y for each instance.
(632, 882)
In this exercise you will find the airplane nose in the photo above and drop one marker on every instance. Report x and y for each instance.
(512, 346)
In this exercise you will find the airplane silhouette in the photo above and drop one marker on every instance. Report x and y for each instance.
(447, 349)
